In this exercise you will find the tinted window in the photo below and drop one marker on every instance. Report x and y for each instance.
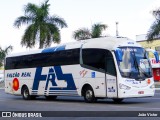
(66, 57)
(110, 66)
(94, 58)
(99, 59)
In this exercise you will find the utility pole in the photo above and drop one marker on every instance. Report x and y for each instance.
(117, 29)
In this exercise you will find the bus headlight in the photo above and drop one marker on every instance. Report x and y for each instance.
(122, 86)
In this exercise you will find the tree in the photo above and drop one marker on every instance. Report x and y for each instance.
(42, 27)
(84, 33)
(3, 54)
(154, 31)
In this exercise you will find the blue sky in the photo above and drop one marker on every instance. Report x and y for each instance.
(134, 17)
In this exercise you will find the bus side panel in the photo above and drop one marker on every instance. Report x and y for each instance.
(44, 80)
(55, 80)
(111, 86)
(96, 80)
(15, 79)
(64, 81)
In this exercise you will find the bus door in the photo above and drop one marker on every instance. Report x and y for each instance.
(111, 78)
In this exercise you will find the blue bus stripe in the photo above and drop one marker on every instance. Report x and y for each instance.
(53, 49)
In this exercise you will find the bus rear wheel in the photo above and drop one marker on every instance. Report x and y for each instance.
(26, 95)
(89, 95)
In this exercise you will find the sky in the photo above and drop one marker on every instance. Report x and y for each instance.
(133, 16)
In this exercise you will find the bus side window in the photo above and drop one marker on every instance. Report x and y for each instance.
(64, 57)
(110, 66)
(94, 58)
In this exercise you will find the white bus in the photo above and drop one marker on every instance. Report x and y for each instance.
(108, 67)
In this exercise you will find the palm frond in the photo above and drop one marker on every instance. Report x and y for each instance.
(97, 30)
(31, 9)
(8, 49)
(22, 20)
(156, 14)
(57, 21)
(154, 31)
(57, 37)
(52, 34)
(45, 8)
(29, 36)
(49, 33)
(55, 32)
(82, 34)
(3, 53)
(44, 32)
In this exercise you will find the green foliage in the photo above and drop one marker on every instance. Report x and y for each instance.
(3, 54)
(154, 31)
(84, 33)
(42, 27)
(97, 30)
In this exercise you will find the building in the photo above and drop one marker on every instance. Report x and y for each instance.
(155, 45)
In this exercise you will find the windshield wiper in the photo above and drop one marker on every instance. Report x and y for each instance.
(142, 71)
(135, 62)
(139, 68)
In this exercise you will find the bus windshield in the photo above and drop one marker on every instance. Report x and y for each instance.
(135, 63)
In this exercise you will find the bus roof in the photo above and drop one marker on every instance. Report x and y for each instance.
(109, 43)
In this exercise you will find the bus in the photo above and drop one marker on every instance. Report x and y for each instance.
(106, 67)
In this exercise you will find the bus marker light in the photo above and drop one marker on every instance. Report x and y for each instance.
(15, 84)
(148, 81)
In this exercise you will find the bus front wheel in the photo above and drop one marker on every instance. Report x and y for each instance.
(89, 95)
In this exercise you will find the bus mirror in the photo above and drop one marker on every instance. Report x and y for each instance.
(119, 54)
(156, 56)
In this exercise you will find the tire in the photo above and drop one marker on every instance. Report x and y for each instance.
(117, 100)
(89, 95)
(51, 97)
(25, 93)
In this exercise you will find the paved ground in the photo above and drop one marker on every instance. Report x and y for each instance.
(1, 84)
(16, 103)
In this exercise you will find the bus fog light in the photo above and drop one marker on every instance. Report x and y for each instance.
(152, 86)
(122, 86)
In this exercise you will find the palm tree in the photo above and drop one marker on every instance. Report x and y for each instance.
(97, 30)
(3, 54)
(84, 33)
(42, 28)
(154, 31)
(81, 34)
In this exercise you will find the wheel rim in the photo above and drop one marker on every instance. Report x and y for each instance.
(26, 93)
(89, 94)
